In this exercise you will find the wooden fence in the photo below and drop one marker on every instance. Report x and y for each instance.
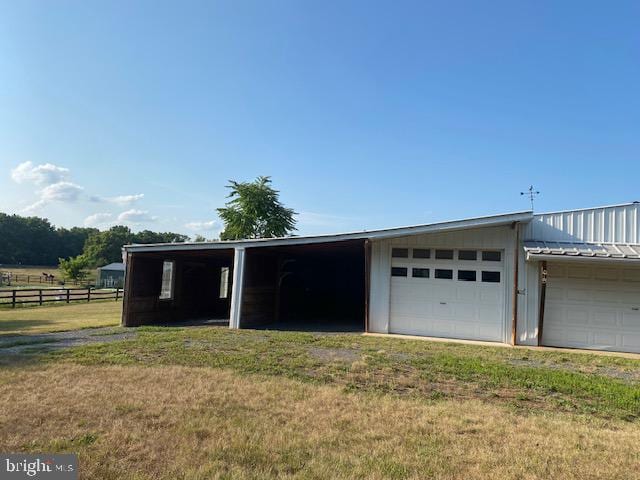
(42, 296)
(7, 278)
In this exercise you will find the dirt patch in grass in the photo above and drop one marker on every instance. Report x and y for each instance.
(199, 423)
(18, 344)
(346, 355)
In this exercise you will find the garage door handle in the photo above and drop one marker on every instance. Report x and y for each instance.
(443, 303)
(635, 309)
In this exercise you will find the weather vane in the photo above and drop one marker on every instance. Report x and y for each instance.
(532, 194)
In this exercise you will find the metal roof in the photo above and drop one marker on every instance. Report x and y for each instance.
(488, 221)
(541, 250)
(114, 266)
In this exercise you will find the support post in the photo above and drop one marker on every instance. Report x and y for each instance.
(40, 296)
(236, 287)
(542, 296)
(13, 299)
(367, 282)
(68, 295)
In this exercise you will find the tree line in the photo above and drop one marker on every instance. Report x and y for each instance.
(35, 241)
(253, 210)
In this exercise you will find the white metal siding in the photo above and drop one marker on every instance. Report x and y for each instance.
(616, 224)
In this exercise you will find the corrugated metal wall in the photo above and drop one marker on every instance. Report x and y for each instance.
(617, 224)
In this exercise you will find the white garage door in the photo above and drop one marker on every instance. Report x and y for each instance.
(594, 307)
(447, 293)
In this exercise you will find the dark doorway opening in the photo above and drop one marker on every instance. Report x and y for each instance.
(318, 287)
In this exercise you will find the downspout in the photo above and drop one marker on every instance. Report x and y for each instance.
(516, 259)
(543, 296)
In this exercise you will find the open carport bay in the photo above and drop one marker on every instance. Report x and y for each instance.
(316, 287)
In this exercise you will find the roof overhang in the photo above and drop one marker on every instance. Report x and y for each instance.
(479, 222)
(582, 252)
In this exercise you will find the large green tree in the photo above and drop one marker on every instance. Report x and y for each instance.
(105, 247)
(255, 211)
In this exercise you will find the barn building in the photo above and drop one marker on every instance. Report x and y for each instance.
(563, 279)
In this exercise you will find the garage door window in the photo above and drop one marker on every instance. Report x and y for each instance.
(467, 275)
(420, 273)
(491, 277)
(400, 252)
(421, 253)
(444, 273)
(467, 255)
(491, 256)
(444, 254)
(398, 272)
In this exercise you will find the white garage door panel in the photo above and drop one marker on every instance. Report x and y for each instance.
(592, 308)
(448, 308)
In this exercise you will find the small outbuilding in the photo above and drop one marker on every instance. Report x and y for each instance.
(111, 276)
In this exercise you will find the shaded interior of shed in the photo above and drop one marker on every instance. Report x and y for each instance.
(316, 287)
(197, 292)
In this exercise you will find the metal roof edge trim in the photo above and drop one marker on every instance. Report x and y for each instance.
(579, 258)
(477, 222)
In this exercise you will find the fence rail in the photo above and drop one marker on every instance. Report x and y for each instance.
(9, 277)
(42, 295)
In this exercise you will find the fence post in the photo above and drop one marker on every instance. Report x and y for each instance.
(67, 295)
(88, 294)
(13, 299)
(40, 294)
(117, 291)
(27, 279)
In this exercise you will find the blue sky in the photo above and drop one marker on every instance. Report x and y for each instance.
(366, 114)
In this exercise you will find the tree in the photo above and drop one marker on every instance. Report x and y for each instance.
(255, 211)
(106, 247)
(75, 268)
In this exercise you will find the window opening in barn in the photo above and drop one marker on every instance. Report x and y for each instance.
(224, 282)
(166, 291)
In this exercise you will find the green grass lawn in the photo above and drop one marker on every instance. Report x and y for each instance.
(209, 402)
(59, 317)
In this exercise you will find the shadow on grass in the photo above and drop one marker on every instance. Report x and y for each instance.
(8, 327)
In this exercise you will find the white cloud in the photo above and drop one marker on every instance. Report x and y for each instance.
(201, 226)
(121, 200)
(45, 174)
(98, 219)
(134, 216)
(61, 192)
